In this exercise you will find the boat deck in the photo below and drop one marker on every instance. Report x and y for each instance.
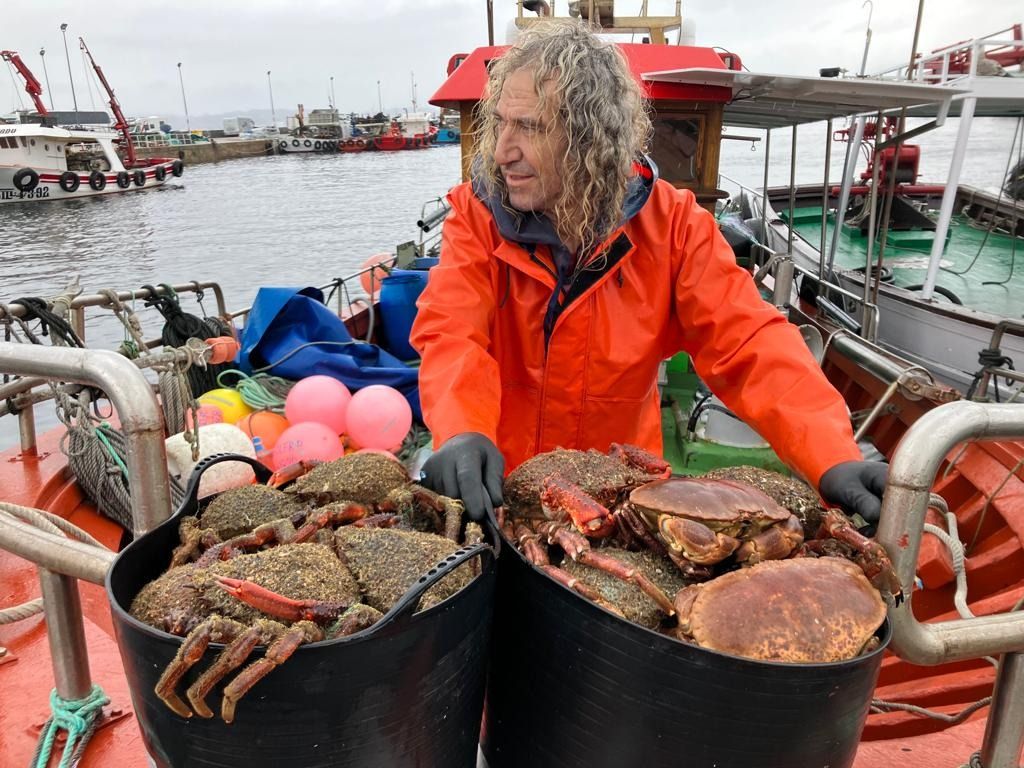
(991, 282)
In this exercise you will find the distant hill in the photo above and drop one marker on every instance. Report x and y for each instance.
(260, 116)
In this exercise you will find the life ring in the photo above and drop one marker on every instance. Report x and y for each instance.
(307, 143)
(160, 173)
(69, 181)
(26, 180)
(295, 142)
(177, 168)
(283, 145)
(97, 181)
(139, 177)
(124, 179)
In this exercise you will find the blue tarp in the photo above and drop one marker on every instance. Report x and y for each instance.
(290, 333)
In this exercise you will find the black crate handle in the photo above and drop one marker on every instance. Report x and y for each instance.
(191, 498)
(403, 610)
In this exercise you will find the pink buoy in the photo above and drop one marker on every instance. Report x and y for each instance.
(318, 398)
(370, 279)
(309, 440)
(205, 414)
(379, 416)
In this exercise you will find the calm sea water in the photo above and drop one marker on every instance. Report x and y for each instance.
(302, 220)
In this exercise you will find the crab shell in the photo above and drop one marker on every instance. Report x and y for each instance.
(808, 610)
(366, 478)
(723, 506)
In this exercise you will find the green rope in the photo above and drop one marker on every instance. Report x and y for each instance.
(262, 392)
(78, 718)
(105, 442)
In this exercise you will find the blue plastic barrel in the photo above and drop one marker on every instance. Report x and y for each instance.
(398, 294)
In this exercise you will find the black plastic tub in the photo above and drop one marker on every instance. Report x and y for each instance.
(406, 692)
(572, 685)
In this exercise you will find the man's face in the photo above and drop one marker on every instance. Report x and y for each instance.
(529, 145)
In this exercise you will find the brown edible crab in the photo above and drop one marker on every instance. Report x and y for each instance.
(800, 610)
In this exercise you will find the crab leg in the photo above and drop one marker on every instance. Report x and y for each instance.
(872, 557)
(278, 653)
(233, 656)
(626, 573)
(279, 606)
(292, 472)
(280, 531)
(329, 515)
(214, 629)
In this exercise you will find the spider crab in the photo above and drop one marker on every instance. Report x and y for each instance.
(698, 523)
(376, 481)
(282, 598)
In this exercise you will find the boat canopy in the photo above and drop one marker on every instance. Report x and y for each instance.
(762, 100)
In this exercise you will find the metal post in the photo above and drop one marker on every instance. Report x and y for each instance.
(63, 31)
(27, 429)
(380, 103)
(66, 634)
(188, 123)
(824, 198)
(852, 153)
(1004, 731)
(136, 405)
(868, 330)
(49, 91)
(55, 552)
(949, 197)
(764, 189)
(792, 192)
(270, 87)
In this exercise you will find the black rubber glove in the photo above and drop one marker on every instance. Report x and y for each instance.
(467, 467)
(856, 486)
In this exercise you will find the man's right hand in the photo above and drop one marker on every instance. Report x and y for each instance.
(467, 467)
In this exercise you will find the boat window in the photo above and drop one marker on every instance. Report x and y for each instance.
(32, 142)
(676, 147)
(60, 147)
(46, 147)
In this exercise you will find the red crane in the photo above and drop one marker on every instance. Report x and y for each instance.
(32, 85)
(121, 124)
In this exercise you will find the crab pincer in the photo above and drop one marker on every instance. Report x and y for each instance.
(279, 606)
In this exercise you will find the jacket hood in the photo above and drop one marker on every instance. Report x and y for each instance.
(532, 228)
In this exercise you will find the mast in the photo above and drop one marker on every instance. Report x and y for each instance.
(32, 86)
(121, 124)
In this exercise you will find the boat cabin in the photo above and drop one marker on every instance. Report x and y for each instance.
(58, 149)
(687, 119)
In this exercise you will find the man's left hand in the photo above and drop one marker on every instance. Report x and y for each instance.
(857, 487)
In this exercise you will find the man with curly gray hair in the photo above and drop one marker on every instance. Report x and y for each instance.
(568, 272)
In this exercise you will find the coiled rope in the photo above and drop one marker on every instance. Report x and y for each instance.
(79, 717)
(260, 391)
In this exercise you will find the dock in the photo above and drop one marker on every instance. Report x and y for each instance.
(211, 151)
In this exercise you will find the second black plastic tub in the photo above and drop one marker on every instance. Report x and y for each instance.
(571, 685)
(406, 693)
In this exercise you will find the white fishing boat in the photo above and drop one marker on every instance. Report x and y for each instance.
(45, 162)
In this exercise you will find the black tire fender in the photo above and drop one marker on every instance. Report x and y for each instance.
(177, 168)
(69, 181)
(97, 181)
(124, 179)
(26, 180)
(139, 177)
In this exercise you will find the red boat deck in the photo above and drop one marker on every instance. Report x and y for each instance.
(991, 527)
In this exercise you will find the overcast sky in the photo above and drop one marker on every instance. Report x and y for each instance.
(227, 46)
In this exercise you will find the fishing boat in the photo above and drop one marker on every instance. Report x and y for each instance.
(943, 289)
(938, 699)
(40, 162)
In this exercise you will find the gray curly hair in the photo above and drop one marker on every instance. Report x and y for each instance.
(600, 107)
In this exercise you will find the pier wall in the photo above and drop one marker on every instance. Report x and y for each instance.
(211, 151)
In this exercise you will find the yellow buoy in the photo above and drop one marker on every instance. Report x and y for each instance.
(228, 402)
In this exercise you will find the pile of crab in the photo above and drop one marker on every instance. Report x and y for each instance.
(326, 557)
(742, 560)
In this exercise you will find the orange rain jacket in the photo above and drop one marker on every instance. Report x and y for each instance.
(671, 282)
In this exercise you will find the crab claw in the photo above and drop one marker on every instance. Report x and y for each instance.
(563, 500)
(642, 459)
(279, 606)
(292, 472)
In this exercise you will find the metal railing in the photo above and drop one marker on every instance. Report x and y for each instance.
(937, 68)
(912, 473)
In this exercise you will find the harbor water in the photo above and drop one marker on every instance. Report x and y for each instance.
(304, 219)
